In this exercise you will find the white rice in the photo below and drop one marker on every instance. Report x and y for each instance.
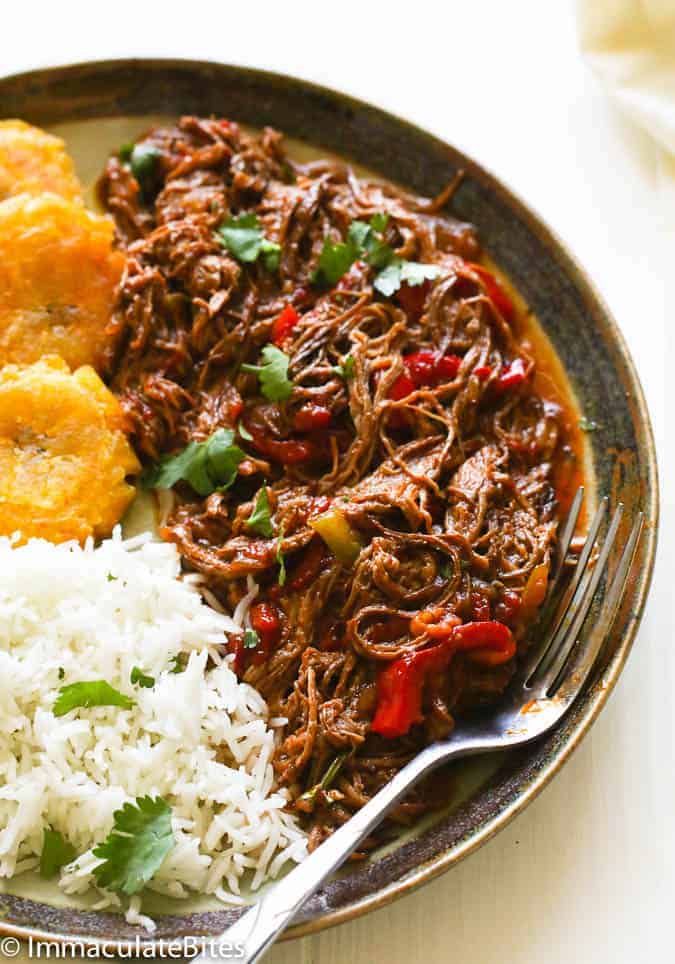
(200, 739)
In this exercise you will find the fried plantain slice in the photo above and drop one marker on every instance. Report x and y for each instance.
(58, 274)
(33, 161)
(64, 456)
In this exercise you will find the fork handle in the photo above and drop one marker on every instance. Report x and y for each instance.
(258, 927)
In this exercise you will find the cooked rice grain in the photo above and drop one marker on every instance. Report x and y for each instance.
(199, 738)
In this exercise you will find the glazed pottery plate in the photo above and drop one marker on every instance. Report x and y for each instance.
(98, 106)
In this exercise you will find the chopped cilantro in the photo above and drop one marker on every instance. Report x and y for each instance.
(143, 159)
(337, 257)
(346, 369)
(260, 520)
(138, 676)
(111, 578)
(273, 374)
(179, 661)
(335, 260)
(62, 672)
(398, 271)
(207, 466)
(251, 639)
(364, 240)
(379, 221)
(244, 239)
(88, 694)
(56, 853)
(280, 559)
(136, 847)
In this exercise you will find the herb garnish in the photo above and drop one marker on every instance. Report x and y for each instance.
(143, 159)
(364, 240)
(56, 853)
(244, 239)
(135, 848)
(180, 661)
(260, 520)
(275, 384)
(208, 466)
(251, 639)
(88, 694)
(346, 369)
(398, 271)
(327, 779)
(280, 559)
(138, 676)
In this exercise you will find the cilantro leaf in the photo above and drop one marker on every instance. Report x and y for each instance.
(280, 559)
(207, 466)
(243, 238)
(398, 271)
(56, 853)
(346, 369)
(244, 432)
(273, 374)
(358, 234)
(414, 273)
(138, 676)
(260, 520)
(335, 260)
(143, 159)
(271, 254)
(379, 221)
(251, 639)
(180, 661)
(376, 251)
(136, 847)
(88, 694)
(223, 457)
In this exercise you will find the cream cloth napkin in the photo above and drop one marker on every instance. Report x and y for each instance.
(630, 45)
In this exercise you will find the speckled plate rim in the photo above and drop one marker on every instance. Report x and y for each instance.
(526, 782)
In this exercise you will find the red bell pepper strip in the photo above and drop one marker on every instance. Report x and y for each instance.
(285, 451)
(512, 375)
(494, 291)
(400, 686)
(311, 417)
(266, 621)
(309, 567)
(508, 607)
(480, 607)
(424, 368)
(284, 324)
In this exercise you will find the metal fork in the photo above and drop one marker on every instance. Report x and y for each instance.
(543, 689)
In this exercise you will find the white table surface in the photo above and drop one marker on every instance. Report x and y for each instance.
(586, 874)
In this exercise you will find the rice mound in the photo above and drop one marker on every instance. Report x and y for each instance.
(199, 738)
